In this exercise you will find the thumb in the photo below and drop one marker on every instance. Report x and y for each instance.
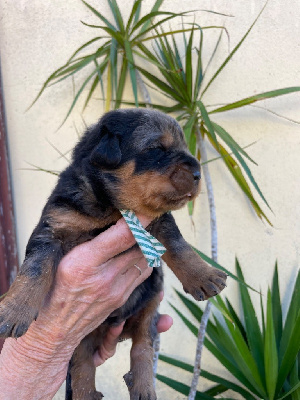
(109, 345)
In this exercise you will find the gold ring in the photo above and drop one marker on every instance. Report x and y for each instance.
(136, 266)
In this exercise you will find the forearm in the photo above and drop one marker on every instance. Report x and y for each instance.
(30, 370)
(91, 282)
(35, 365)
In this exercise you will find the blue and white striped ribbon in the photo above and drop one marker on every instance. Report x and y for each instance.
(150, 246)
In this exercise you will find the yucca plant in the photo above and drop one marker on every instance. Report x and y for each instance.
(114, 58)
(181, 79)
(122, 44)
(264, 357)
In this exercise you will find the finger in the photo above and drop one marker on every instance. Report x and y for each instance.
(145, 221)
(122, 279)
(161, 296)
(164, 323)
(126, 283)
(115, 240)
(120, 265)
(139, 275)
(108, 346)
(108, 244)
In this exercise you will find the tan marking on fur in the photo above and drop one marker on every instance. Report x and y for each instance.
(140, 378)
(26, 289)
(25, 296)
(149, 193)
(196, 276)
(83, 374)
(167, 139)
(83, 368)
(144, 193)
(69, 220)
(125, 172)
(141, 322)
(193, 265)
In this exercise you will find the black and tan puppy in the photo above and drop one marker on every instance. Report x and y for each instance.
(128, 152)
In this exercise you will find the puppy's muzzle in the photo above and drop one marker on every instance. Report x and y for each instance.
(185, 179)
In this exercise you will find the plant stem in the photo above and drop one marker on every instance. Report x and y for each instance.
(143, 89)
(211, 199)
(214, 252)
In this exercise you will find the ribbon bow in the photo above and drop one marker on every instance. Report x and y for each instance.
(150, 246)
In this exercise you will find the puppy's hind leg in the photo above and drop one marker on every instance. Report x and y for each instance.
(26, 295)
(80, 382)
(142, 328)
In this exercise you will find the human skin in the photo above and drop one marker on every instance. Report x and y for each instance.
(89, 285)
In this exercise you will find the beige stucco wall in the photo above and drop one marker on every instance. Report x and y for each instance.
(37, 36)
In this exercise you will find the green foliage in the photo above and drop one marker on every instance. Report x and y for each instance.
(122, 46)
(264, 357)
(117, 41)
(181, 79)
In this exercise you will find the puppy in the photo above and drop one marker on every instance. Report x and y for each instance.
(127, 152)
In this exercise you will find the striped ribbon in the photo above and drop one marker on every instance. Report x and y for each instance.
(150, 246)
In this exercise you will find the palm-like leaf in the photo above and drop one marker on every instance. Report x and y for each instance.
(264, 358)
(123, 37)
(117, 58)
(177, 83)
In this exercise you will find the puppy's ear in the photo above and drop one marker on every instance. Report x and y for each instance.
(108, 152)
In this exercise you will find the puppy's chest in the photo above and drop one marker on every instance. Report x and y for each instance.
(73, 228)
(72, 239)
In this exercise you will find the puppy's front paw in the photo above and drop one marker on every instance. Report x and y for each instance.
(15, 318)
(207, 282)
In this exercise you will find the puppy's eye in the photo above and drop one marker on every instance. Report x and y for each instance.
(157, 146)
(161, 147)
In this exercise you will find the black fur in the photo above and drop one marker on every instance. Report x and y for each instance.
(126, 147)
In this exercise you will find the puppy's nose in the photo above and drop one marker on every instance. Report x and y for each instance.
(197, 175)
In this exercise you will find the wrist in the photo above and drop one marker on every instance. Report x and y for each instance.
(31, 369)
(43, 345)
(35, 365)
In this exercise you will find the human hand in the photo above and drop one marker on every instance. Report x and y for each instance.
(92, 280)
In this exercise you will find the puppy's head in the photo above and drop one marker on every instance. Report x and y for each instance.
(142, 158)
